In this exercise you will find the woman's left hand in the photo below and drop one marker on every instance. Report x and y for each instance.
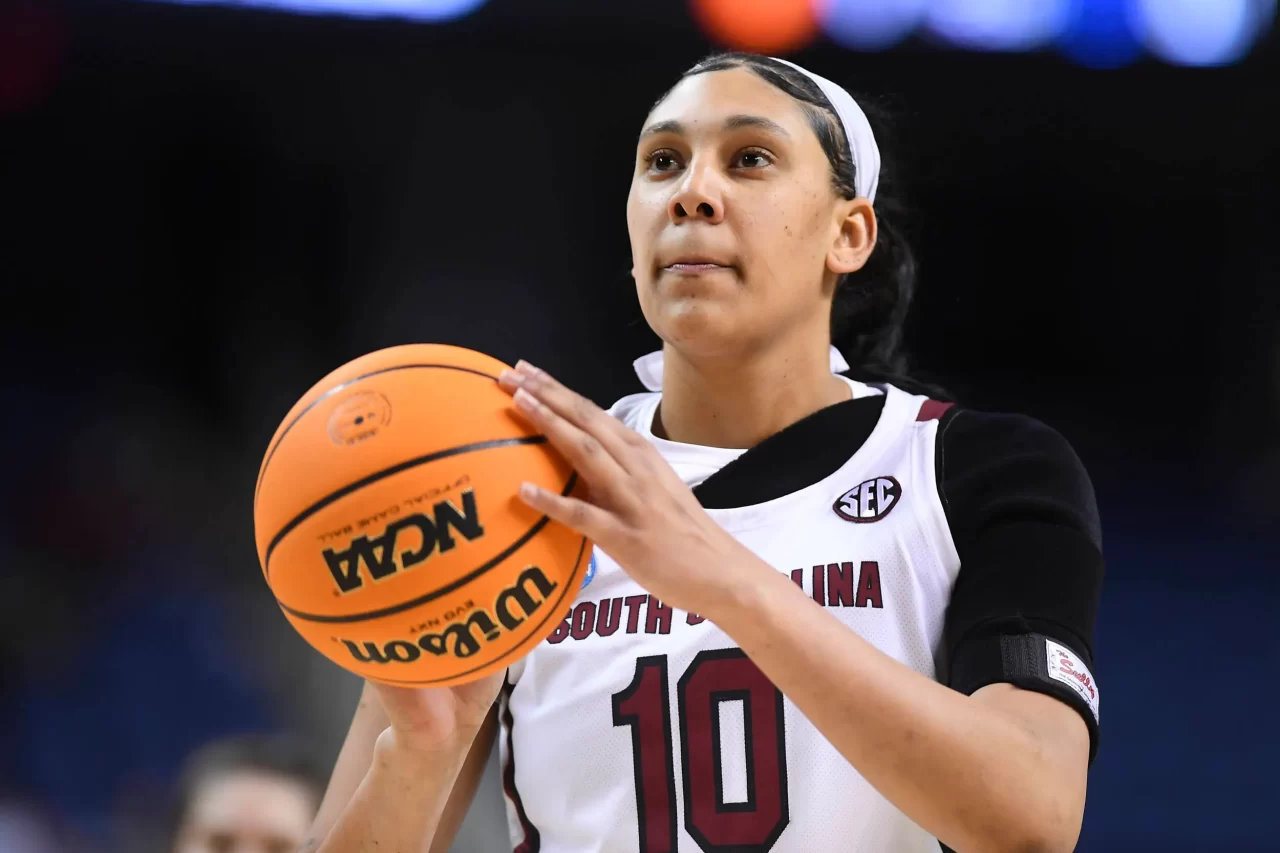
(639, 512)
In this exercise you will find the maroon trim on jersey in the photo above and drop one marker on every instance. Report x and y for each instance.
(532, 838)
(932, 410)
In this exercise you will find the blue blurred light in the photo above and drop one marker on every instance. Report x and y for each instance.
(1200, 32)
(413, 10)
(870, 24)
(999, 24)
(1099, 34)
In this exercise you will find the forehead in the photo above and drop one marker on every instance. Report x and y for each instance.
(252, 802)
(705, 100)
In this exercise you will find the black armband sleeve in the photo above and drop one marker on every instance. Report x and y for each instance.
(1024, 519)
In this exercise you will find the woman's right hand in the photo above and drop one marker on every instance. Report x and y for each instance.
(430, 719)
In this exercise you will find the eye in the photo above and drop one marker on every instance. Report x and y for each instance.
(752, 158)
(662, 160)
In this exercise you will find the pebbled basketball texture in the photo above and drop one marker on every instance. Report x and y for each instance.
(388, 526)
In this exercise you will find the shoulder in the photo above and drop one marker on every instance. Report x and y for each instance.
(992, 466)
(999, 434)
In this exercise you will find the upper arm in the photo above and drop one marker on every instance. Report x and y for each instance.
(356, 756)
(1023, 515)
(1061, 740)
(1057, 728)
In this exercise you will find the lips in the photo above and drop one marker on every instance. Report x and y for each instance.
(695, 264)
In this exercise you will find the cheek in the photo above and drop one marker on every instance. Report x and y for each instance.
(809, 237)
(785, 236)
(786, 270)
(645, 214)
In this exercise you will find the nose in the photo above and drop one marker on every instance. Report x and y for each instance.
(699, 197)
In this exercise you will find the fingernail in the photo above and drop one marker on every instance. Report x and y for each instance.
(528, 491)
(526, 367)
(510, 377)
(526, 401)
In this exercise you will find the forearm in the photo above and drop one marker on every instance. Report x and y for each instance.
(971, 775)
(398, 806)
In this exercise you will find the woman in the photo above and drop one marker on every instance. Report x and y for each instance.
(869, 630)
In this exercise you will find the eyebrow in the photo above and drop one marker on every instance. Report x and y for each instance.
(735, 122)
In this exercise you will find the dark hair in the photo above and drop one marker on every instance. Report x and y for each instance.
(266, 754)
(870, 307)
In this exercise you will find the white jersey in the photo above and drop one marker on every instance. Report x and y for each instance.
(638, 728)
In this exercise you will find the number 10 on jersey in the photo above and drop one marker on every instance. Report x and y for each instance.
(716, 676)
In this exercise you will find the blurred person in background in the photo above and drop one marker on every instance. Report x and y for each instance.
(247, 794)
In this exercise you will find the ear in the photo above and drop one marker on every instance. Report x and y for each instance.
(856, 237)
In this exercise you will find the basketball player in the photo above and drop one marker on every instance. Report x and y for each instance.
(825, 614)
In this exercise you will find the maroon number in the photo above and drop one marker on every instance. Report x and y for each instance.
(727, 675)
(721, 675)
(644, 707)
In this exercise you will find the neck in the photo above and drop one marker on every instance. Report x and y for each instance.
(738, 403)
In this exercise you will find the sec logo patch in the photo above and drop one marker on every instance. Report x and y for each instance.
(869, 501)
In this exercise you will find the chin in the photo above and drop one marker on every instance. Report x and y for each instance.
(698, 327)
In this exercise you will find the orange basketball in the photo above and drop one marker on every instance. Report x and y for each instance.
(388, 525)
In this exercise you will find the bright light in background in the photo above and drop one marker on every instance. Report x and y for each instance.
(870, 24)
(414, 10)
(999, 24)
(1099, 34)
(1094, 33)
(763, 26)
(1200, 32)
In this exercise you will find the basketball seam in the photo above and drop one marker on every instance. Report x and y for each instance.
(384, 473)
(262, 475)
(342, 619)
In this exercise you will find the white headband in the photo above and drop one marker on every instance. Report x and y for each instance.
(862, 142)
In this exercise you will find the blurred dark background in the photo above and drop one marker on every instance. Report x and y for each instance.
(206, 209)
